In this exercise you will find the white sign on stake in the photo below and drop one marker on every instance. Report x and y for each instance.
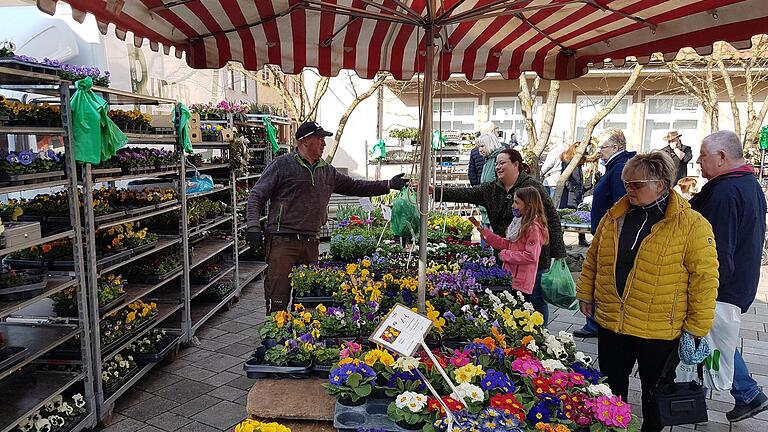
(387, 212)
(402, 330)
(366, 204)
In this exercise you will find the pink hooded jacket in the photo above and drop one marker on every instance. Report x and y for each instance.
(520, 257)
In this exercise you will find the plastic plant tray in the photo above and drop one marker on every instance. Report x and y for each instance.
(497, 288)
(143, 248)
(154, 279)
(173, 342)
(255, 368)
(22, 292)
(25, 263)
(370, 415)
(112, 303)
(114, 387)
(314, 301)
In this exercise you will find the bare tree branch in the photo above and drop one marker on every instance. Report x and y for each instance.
(589, 129)
(350, 109)
(731, 96)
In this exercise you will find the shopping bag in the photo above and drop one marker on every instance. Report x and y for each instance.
(405, 214)
(199, 183)
(722, 338)
(558, 286)
(96, 138)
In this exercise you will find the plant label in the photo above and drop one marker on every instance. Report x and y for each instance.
(402, 330)
(387, 212)
(366, 204)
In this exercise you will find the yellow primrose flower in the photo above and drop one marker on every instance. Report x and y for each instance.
(366, 263)
(322, 309)
(351, 269)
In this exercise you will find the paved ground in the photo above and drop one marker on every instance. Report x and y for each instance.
(205, 389)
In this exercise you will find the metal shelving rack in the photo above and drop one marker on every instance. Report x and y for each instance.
(24, 387)
(167, 307)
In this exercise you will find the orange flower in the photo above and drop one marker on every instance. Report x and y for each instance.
(47, 248)
(526, 340)
(499, 337)
(487, 341)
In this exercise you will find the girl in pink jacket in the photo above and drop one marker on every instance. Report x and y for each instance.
(526, 235)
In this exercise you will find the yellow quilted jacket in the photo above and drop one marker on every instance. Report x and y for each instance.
(673, 284)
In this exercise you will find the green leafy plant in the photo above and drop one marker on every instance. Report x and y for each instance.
(326, 356)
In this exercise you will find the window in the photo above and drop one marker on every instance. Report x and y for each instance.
(231, 80)
(243, 83)
(508, 116)
(588, 106)
(665, 113)
(457, 114)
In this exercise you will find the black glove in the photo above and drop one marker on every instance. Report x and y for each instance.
(397, 182)
(255, 238)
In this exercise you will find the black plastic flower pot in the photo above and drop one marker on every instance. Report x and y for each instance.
(347, 401)
(405, 425)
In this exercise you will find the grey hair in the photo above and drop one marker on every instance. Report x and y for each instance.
(490, 141)
(727, 141)
(657, 165)
(613, 136)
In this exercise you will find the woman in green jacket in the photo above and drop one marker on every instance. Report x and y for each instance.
(496, 197)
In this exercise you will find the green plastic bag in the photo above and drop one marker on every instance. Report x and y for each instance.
(405, 214)
(183, 131)
(96, 137)
(271, 134)
(558, 286)
(379, 151)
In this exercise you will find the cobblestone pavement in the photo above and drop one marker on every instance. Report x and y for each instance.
(205, 389)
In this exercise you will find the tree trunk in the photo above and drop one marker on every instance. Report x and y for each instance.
(731, 97)
(754, 124)
(526, 105)
(581, 148)
(542, 142)
(350, 109)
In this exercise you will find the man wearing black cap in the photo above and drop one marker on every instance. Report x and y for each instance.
(298, 187)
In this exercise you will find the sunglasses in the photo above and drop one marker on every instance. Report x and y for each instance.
(636, 184)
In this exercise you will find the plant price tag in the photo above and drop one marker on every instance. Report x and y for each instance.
(402, 330)
(387, 212)
(366, 204)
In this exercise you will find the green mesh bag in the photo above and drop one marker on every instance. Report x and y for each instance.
(558, 287)
(405, 214)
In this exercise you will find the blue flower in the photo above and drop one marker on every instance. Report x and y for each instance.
(449, 316)
(26, 157)
(52, 155)
(406, 377)
(590, 374)
(539, 413)
(497, 380)
(12, 158)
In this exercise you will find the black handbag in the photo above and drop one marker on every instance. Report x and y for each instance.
(679, 403)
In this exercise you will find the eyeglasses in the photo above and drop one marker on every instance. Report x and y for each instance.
(636, 184)
(606, 146)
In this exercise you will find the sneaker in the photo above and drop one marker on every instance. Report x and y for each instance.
(744, 411)
(584, 333)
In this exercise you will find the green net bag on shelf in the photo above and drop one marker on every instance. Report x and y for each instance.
(405, 214)
(95, 136)
(558, 286)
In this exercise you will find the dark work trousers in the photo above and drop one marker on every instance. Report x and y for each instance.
(617, 354)
(283, 251)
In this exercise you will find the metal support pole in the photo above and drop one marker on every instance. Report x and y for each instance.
(92, 379)
(186, 294)
(424, 173)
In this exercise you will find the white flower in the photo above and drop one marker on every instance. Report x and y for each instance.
(43, 425)
(57, 421)
(520, 296)
(130, 358)
(599, 390)
(105, 376)
(124, 364)
(78, 399)
(66, 408)
(532, 346)
(528, 306)
(469, 391)
(405, 363)
(580, 356)
(411, 401)
(28, 425)
(552, 365)
(565, 337)
(465, 308)
(50, 406)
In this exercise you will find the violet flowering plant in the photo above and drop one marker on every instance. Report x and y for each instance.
(488, 275)
(70, 72)
(28, 162)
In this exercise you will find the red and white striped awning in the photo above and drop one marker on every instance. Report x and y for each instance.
(555, 38)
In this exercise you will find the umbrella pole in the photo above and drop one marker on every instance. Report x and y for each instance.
(424, 173)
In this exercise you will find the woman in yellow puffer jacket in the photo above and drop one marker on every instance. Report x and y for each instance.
(651, 274)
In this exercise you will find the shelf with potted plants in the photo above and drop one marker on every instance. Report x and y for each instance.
(27, 344)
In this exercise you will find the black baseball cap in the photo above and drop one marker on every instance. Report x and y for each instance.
(311, 128)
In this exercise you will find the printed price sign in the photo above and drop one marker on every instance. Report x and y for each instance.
(366, 204)
(402, 330)
(387, 212)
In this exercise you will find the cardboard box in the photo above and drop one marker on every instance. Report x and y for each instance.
(227, 135)
(194, 121)
(162, 121)
(20, 233)
(195, 135)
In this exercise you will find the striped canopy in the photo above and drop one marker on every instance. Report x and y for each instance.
(555, 38)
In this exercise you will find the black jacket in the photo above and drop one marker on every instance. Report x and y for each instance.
(573, 193)
(735, 206)
(681, 164)
(610, 187)
(475, 168)
(498, 202)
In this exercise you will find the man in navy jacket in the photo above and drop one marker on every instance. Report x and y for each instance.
(608, 190)
(733, 202)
